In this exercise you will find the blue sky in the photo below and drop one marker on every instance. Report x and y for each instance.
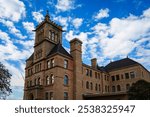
(110, 30)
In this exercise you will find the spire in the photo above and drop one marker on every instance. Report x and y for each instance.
(47, 17)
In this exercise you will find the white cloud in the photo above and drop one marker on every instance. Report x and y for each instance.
(82, 36)
(38, 16)
(77, 22)
(63, 21)
(29, 26)
(10, 52)
(13, 10)
(146, 13)
(122, 36)
(103, 13)
(10, 25)
(65, 5)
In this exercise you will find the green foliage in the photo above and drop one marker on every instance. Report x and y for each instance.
(139, 91)
(5, 78)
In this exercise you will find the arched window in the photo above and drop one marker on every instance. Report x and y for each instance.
(91, 86)
(47, 80)
(87, 85)
(39, 81)
(118, 88)
(113, 89)
(66, 80)
(52, 79)
(127, 86)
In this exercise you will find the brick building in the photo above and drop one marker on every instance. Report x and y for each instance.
(53, 73)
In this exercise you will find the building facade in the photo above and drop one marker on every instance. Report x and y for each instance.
(53, 73)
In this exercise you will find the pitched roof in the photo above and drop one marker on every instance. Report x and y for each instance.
(31, 57)
(121, 64)
(59, 49)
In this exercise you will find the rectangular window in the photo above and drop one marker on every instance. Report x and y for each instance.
(65, 64)
(95, 74)
(46, 96)
(113, 89)
(90, 73)
(132, 74)
(117, 77)
(48, 64)
(52, 62)
(87, 72)
(127, 75)
(65, 96)
(51, 96)
(113, 78)
(98, 76)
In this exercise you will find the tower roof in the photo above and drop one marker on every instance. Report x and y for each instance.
(59, 49)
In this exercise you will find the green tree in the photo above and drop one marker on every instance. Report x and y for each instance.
(5, 78)
(139, 91)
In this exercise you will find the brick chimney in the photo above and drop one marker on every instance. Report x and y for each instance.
(94, 63)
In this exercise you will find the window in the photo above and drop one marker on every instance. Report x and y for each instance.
(87, 72)
(50, 34)
(96, 87)
(118, 88)
(52, 62)
(113, 78)
(46, 96)
(127, 86)
(90, 73)
(47, 80)
(99, 87)
(95, 74)
(105, 88)
(65, 95)
(51, 96)
(91, 86)
(113, 89)
(39, 81)
(52, 79)
(98, 76)
(66, 80)
(117, 77)
(132, 74)
(65, 64)
(87, 85)
(48, 64)
(127, 75)
(53, 36)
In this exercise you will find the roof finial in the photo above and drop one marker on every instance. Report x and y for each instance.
(47, 12)
(47, 15)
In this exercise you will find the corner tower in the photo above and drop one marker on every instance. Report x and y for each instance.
(76, 53)
(48, 34)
